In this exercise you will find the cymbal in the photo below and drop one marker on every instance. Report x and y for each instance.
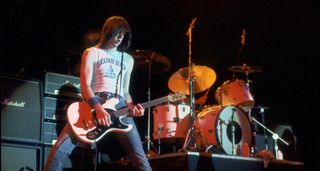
(159, 63)
(204, 77)
(245, 69)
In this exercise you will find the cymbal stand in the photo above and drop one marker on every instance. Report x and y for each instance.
(243, 43)
(149, 143)
(190, 138)
(248, 81)
(275, 136)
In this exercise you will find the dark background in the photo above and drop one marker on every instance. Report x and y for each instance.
(282, 38)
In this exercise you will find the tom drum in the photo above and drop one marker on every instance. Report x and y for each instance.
(234, 92)
(171, 121)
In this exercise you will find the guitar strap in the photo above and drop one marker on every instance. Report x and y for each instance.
(119, 77)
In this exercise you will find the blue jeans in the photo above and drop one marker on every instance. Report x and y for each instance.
(130, 142)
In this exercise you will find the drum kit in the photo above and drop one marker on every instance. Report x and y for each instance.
(224, 128)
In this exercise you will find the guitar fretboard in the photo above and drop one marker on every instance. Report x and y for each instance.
(124, 111)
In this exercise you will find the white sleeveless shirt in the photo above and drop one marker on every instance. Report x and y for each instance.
(106, 69)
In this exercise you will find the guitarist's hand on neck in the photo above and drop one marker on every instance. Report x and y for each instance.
(102, 115)
(135, 110)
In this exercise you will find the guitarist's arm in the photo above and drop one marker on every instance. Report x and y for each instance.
(86, 71)
(134, 110)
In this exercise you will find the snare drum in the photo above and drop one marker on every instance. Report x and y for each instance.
(213, 128)
(171, 121)
(234, 93)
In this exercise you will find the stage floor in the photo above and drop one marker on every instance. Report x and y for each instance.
(196, 161)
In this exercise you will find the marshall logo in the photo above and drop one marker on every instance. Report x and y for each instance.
(9, 102)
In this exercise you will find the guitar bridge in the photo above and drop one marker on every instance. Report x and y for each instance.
(94, 134)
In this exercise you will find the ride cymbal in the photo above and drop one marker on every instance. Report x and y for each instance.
(203, 77)
(245, 69)
(159, 63)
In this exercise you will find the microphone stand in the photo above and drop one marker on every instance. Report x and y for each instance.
(275, 136)
(191, 133)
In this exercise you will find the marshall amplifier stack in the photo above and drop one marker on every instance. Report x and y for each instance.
(20, 109)
(59, 92)
(33, 113)
(21, 123)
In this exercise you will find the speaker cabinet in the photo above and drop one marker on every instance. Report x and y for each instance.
(51, 131)
(56, 108)
(62, 85)
(20, 109)
(16, 157)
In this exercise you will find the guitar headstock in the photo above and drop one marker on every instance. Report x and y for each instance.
(176, 96)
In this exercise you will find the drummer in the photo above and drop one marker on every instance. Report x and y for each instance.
(200, 100)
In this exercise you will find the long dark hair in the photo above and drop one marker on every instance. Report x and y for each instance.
(111, 28)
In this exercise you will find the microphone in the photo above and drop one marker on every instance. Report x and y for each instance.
(243, 37)
(191, 25)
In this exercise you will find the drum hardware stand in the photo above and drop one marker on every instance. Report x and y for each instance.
(160, 128)
(243, 43)
(275, 136)
(232, 132)
(190, 138)
(264, 130)
(220, 124)
(248, 81)
(147, 137)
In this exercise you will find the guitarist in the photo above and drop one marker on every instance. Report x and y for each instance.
(105, 74)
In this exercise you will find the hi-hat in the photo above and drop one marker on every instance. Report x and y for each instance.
(245, 69)
(159, 63)
(203, 77)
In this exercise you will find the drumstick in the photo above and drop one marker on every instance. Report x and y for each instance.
(207, 92)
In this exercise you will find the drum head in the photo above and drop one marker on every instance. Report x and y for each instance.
(232, 115)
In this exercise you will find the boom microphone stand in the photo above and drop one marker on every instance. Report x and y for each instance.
(191, 133)
(275, 136)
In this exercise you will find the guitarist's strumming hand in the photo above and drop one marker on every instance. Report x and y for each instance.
(102, 115)
(135, 110)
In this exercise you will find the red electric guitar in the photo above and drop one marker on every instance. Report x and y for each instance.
(85, 126)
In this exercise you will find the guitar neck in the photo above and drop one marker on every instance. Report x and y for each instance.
(124, 111)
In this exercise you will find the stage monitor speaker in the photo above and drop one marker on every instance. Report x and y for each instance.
(20, 109)
(286, 133)
(17, 157)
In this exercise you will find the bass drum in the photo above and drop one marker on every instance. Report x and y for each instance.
(214, 129)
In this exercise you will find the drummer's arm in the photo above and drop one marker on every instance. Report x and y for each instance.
(202, 100)
(199, 101)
